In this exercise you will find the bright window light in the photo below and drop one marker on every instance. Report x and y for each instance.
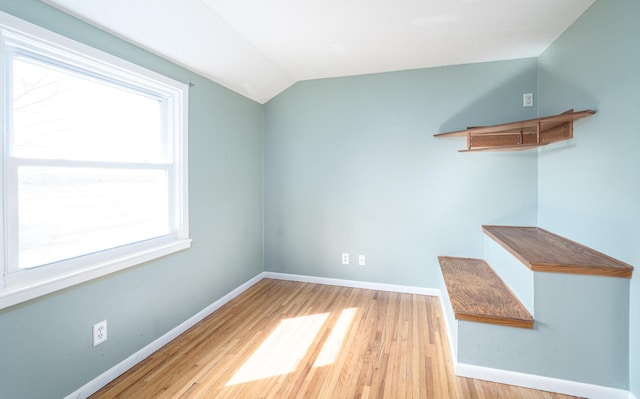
(94, 163)
(64, 213)
(59, 113)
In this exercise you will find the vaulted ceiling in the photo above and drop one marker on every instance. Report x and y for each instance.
(258, 48)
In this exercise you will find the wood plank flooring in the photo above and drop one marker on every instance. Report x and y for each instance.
(283, 339)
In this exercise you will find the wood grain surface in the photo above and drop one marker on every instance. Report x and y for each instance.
(520, 135)
(478, 294)
(283, 339)
(543, 251)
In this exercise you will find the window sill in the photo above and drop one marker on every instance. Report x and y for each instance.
(14, 295)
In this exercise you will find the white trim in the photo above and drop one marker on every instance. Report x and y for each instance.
(541, 383)
(103, 379)
(463, 370)
(353, 284)
(15, 25)
(21, 37)
(24, 293)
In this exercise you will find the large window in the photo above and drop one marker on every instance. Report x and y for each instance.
(94, 163)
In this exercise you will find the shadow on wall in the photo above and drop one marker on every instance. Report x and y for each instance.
(483, 110)
(486, 183)
(560, 92)
(560, 96)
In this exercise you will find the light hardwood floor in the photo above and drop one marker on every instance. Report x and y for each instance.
(283, 339)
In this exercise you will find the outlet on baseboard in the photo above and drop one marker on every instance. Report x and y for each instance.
(99, 332)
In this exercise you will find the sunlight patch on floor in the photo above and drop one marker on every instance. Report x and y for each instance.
(281, 352)
(333, 345)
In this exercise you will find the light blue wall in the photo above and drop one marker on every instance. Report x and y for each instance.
(589, 189)
(577, 336)
(351, 165)
(45, 344)
(518, 277)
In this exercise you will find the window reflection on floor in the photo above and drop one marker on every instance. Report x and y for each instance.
(289, 342)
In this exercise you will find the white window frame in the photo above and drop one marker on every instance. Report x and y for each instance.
(19, 286)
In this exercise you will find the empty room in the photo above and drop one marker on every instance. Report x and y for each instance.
(320, 199)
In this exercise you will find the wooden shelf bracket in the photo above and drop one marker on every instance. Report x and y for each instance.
(520, 135)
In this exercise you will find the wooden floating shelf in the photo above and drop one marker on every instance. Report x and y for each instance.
(521, 135)
(478, 294)
(543, 251)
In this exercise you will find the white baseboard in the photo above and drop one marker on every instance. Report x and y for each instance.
(541, 383)
(463, 370)
(103, 379)
(353, 284)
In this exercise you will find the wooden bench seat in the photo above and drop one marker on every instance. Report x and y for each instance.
(478, 294)
(543, 251)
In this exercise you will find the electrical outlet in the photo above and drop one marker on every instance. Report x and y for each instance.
(527, 100)
(99, 332)
(345, 259)
(361, 260)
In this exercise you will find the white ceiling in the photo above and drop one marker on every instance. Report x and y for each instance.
(258, 48)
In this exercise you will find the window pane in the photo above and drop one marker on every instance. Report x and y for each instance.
(58, 114)
(68, 212)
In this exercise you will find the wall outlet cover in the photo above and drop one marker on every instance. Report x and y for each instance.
(99, 332)
(345, 259)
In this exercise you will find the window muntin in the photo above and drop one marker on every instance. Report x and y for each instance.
(94, 166)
